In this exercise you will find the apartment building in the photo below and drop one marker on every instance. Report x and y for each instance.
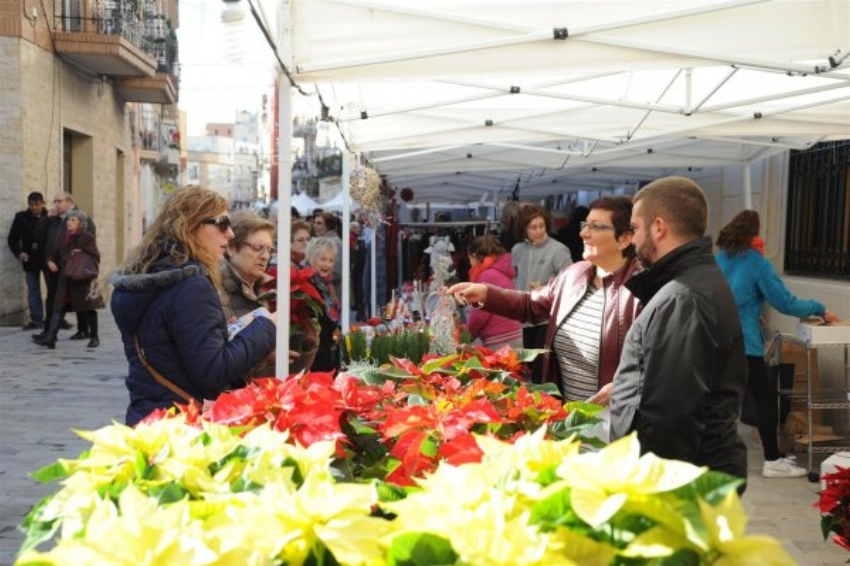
(87, 105)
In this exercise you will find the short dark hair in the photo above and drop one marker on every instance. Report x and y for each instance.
(679, 201)
(35, 196)
(621, 217)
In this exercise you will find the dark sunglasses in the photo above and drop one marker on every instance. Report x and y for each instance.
(221, 222)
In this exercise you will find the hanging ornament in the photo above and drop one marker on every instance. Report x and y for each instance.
(365, 186)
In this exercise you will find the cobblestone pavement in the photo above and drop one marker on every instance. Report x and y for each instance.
(45, 393)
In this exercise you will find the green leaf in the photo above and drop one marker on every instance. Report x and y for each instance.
(389, 492)
(529, 354)
(429, 447)
(170, 492)
(554, 510)
(711, 486)
(416, 399)
(583, 408)
(36, 530)
(245, 485)
(241, 452)
(144, 471)
(297, 476)
(433, 365)
(420, 549)
(111, 491)
(50, 472)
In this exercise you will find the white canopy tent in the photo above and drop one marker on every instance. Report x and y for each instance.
(456, 98)
(461, 96)
(303, 204)
(337, 204)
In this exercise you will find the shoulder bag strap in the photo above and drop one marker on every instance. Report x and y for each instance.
(161, 379)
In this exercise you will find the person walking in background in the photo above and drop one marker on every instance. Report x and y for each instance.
(53, 230)
(321, 256)
(166, 305)
(588, 308)
(26, 248)
(754, 281)
(491, 265)
(683, 370)
(536, 260)
(80, 296)
(570, 233)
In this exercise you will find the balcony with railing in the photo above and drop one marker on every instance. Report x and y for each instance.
(131, 40)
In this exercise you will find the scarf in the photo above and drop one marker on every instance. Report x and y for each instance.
(325, 287)
(476, 271)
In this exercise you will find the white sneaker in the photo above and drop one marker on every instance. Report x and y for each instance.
(782, 468)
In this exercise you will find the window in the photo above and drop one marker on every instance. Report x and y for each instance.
(817, 237)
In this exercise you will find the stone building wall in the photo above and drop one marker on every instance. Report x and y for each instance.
(42, 98)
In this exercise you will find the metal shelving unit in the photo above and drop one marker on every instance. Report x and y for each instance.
(814, 399)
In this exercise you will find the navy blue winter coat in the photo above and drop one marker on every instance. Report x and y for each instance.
(176, 314)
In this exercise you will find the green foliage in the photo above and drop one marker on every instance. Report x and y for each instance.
(421, 549)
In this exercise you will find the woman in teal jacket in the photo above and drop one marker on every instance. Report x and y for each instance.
(754, 281)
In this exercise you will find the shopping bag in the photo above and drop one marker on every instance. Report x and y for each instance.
(80, 267)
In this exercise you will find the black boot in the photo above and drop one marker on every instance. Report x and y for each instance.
(94, 342)
(49, 338)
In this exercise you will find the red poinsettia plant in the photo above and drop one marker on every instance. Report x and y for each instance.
(396, 423)
(305, 303)
(834, 504)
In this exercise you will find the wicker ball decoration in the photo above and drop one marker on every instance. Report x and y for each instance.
(366, 188)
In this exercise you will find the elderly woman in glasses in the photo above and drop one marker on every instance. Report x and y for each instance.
(166, 303)
(243, 271)
(587, 308)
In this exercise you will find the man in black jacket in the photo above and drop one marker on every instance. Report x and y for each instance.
(683, 370)
(22, 241)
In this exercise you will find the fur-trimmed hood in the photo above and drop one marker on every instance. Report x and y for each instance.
(133, 293)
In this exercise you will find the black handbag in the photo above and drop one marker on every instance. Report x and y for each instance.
(80, 267)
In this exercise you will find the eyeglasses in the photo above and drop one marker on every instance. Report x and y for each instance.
(596, 227)
(221, 222)
(58, 200)
(260, 248)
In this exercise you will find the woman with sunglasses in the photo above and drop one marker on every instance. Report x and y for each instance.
(586, 308)
(166, 303)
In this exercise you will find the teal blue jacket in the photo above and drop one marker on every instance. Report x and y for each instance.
(754, 281)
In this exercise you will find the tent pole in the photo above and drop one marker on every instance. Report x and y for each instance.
(284, 191)
(748, 187)
(346, 245)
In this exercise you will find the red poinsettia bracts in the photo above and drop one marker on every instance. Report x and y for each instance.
(417, 416)
(834, 504)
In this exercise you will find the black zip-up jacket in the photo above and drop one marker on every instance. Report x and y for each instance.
(683, 370)
(22, 238)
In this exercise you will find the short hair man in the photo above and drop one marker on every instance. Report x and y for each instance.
(24, 244)
(683, 369)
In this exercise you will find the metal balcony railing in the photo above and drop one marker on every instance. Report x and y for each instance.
(136, 21)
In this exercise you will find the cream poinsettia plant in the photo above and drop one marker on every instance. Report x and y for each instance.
(168, 493)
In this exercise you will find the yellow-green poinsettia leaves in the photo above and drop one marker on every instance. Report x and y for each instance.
(355, 540)
(595, 506)
(574, 548)
(726, 524)
(754, 551)
(602, 482)
(655, 542)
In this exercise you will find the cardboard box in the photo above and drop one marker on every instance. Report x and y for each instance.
(815, 332)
